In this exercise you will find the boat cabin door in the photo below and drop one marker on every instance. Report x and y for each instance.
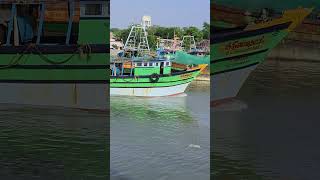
(161, 67)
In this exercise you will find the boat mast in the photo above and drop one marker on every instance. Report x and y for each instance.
(137, 40)
(191, 41)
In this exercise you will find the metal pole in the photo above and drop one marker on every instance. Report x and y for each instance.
(13, 13)
(122, 68)
(41, 23)
(71, 15)
(131, 68)
(127, 41)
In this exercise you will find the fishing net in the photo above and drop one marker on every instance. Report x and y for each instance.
(185, 58)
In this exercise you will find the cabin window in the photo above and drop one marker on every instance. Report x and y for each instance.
(139, 64)
(157, 64)
(145, 64)
(93, 9)
(167, 63)
(150, 64)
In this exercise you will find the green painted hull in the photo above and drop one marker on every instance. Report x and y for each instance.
(144, 82)
(237, 52)
(58, 73)
(234, 60)
(32, 67)
(167, 85)
(227, 57)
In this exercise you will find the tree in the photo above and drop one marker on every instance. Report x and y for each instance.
(206, 30)
(193, 31)
(156, 32)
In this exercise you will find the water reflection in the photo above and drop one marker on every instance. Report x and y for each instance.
(160, 138)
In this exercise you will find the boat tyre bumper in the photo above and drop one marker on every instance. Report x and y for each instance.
(154, 78)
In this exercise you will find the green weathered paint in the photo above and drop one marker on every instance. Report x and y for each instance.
(222, 24)
(242, 57)
(94, 31)
(90, 32)
(144, 76)
(12, 72)
(167, 70)
(141, 71)
(164, 81)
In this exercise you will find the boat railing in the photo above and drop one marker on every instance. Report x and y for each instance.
(12, 30)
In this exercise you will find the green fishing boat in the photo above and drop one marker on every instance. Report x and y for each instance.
(69, 72)
(145, 75)
(238, 51)
(149, 78)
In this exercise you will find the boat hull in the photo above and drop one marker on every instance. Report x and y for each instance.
(167, 85)
(227, 85)
(54, 78)
(150, 92)
(237, 52)
(71, 95)
(232, 65)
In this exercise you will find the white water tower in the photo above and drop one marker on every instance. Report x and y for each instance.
(146, 21)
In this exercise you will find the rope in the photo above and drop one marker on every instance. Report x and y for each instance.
(15, 61)
(87, 47)
(49, 61)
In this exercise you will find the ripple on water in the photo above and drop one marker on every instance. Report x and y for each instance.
(150, 137)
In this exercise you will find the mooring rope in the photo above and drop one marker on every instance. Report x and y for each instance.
(15, 61)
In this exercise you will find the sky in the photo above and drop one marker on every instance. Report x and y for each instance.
(178, 13)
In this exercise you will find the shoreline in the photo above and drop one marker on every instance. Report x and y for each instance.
(203, 77)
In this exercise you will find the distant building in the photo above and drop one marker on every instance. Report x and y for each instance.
(146, 21)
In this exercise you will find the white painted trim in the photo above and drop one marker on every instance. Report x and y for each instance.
(149, 92)
(228, 84)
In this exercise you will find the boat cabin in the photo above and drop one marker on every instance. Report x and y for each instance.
(140, 68)
(59, 22)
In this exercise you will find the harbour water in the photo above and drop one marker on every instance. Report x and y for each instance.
(52, 143)
(161, 138)
(271, 131)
